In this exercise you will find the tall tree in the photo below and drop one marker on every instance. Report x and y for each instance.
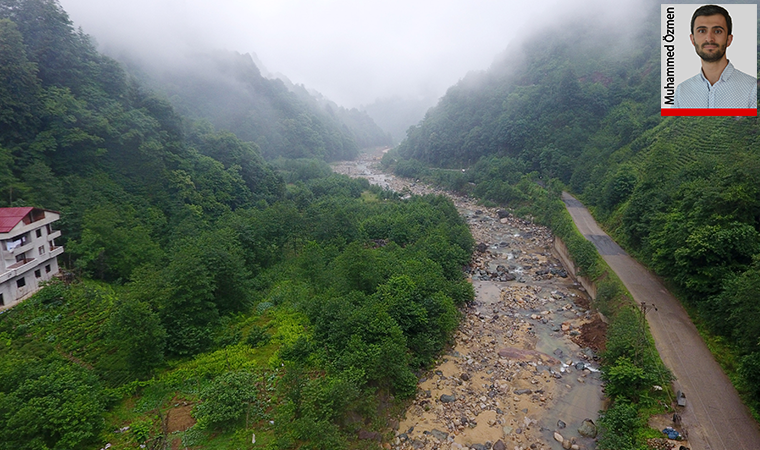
(19, 87)
(137, 332)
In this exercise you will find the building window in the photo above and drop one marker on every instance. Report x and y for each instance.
(37, 273)
(20, 257)
(47, 268)
(2, 302)
(21, 282)
(41, 249)
(39, 232)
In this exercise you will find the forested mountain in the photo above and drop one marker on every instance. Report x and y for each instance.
(202, 281)
(542, 99)
(580, 104)
(283, 119)
(365, 130)
(74, 114)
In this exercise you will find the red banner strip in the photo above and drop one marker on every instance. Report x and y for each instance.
(746, 112)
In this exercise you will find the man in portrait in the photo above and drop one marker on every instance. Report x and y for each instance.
(718, 84)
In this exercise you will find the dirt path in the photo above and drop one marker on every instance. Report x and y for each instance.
(714, 415)
(516, 375)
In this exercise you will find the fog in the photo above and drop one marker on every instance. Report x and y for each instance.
(351, 51)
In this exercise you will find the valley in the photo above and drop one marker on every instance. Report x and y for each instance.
(522, 371)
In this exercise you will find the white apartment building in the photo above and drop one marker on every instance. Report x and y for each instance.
(28, 254)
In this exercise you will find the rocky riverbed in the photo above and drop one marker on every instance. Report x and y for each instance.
(522, 373)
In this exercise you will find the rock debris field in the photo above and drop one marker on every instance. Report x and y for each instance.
(522, 372)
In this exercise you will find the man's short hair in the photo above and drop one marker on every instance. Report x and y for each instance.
(711, 10)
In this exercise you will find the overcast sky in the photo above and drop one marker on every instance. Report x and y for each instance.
(352, 51)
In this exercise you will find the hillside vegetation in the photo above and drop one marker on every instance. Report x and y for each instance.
(581, 107)
(213, 296)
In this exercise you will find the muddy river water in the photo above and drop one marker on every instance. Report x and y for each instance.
(516, 377)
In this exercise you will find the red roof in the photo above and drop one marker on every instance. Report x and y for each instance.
(10, 217)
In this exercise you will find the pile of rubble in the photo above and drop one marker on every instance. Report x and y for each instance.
(660, 444)
(492, 388)
(522, 252)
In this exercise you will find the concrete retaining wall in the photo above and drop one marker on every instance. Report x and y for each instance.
(560, 251)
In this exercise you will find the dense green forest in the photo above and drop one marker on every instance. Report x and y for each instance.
(580, 106)
(247, 297)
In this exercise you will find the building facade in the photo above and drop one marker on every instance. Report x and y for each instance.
(28, 254)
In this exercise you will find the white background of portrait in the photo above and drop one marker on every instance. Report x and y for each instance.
(742, 53)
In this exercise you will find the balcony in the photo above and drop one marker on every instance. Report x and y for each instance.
(19, 268)
(5, 276)
(25, 263)
(22, 249)
(53, 235)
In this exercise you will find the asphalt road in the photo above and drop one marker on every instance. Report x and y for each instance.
(714, 415)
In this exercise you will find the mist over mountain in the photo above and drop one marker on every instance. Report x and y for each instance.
(544, 92)
(283, 119)
(397, 114)
(353, 53)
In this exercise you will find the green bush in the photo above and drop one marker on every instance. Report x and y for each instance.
(608, 296)
(624, 336)
(624, 379)
(141, 429)
(257, 336)
(232, 399)
(618, 426)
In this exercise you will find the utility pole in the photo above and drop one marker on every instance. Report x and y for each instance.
(644, 308)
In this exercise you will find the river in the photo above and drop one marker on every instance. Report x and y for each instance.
(516, 376)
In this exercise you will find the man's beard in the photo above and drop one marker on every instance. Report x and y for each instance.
(712, 57)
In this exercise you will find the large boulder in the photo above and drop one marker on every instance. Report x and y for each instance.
(588, 429)
(440, 435)
(369, 435)
(447, 398)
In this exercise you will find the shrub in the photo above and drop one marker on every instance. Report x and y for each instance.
(618, 426)
(231, 398)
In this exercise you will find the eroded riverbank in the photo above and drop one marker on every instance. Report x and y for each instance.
(516, 377)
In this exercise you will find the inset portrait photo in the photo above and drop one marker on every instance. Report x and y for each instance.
(709, 60)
